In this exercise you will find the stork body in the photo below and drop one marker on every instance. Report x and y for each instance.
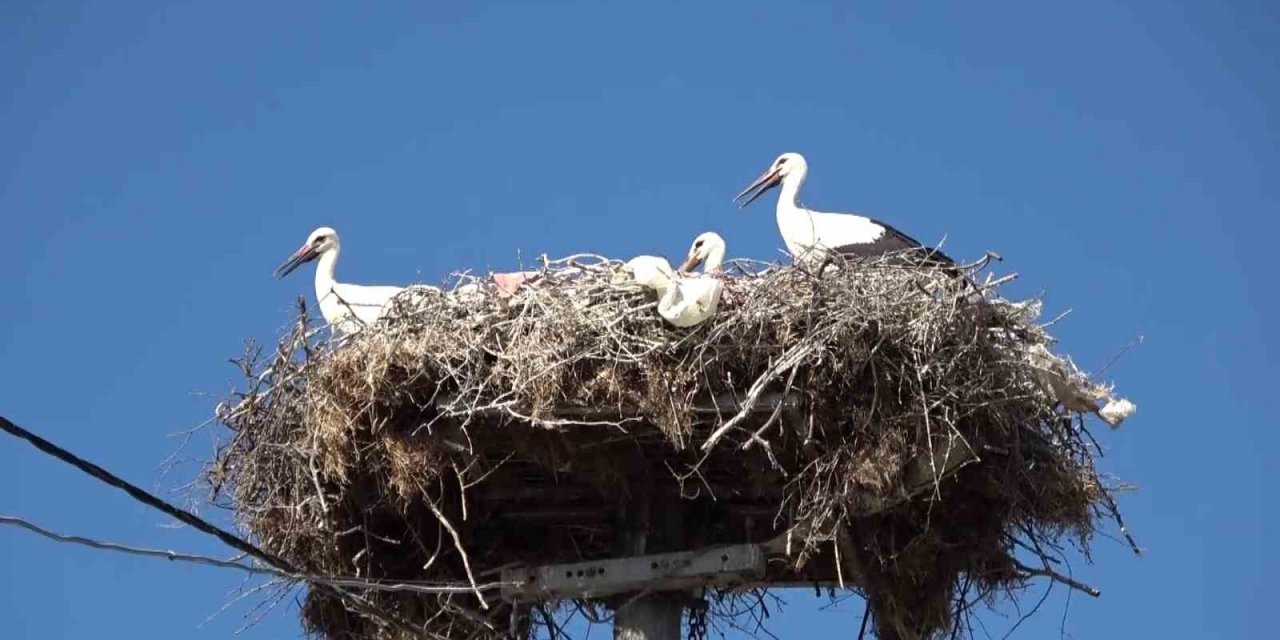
(347, 308)
(684, 300)
(812, 236)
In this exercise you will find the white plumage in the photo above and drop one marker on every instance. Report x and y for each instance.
(684, 300)
(707, 249)
(347, 308)
(811, 235)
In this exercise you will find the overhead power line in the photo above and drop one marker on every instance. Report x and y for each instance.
(333, 581)
(358, 602)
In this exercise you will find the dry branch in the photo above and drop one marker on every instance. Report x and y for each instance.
(877, 425)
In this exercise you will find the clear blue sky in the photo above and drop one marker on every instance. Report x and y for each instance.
(157, 160)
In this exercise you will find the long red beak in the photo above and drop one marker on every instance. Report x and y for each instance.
(303, 255)
(767, 180)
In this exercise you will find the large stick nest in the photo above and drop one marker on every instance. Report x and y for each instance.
(883, 427)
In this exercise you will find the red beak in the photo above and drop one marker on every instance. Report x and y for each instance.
(303, 255)
(767, 180)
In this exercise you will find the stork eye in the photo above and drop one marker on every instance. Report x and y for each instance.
(697, 244)
(781, 161)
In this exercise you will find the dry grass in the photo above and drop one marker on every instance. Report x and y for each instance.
(883, 425)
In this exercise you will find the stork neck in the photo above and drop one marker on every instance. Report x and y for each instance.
(794, 222)
(789, 192)
(662, 285)
(325, 267)
(715, 258)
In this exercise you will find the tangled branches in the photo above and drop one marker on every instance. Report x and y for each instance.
(878, 427)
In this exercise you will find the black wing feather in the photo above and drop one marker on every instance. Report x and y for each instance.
(895, 241)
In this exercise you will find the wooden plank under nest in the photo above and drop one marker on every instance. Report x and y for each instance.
(722, 566)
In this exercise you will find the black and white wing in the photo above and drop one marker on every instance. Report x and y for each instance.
(860, 236)
(895, 241)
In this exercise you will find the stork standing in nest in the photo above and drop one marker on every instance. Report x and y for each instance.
(813, 236)
(347, 308)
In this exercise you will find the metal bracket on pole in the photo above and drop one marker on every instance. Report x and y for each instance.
(724, 566)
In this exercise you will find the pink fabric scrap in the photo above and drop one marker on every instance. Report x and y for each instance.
(509, 283)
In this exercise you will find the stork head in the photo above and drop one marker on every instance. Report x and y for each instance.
(320, 241)
(707, 248)
(787, 164)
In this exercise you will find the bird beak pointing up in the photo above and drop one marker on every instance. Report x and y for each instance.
(768, 180)
(300, 257)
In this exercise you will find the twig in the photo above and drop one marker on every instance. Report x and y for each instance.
(789, 359)
(777, 411)
(1137, 340)
(457, 543)
(1046, 572)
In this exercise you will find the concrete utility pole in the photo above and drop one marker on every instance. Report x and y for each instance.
(652, 617)
(649, 591)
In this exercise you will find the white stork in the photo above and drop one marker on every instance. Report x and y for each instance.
(811, 235)
(684, 300)
(707, 249)
(346, 307)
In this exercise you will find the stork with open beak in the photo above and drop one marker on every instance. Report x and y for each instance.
(811, 235)
(347, 308)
